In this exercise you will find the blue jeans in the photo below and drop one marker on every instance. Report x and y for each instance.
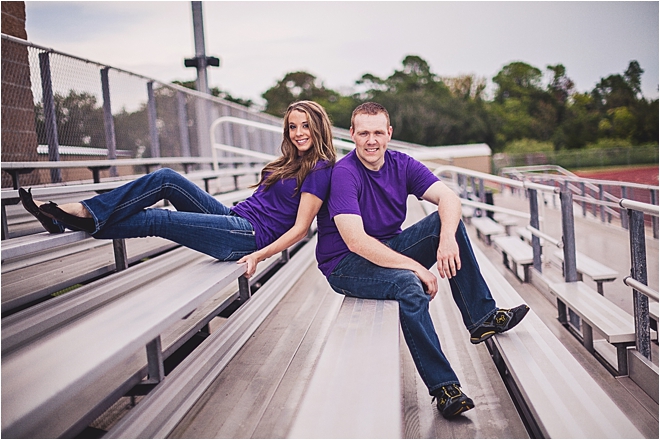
(357, 277)
(200, 222)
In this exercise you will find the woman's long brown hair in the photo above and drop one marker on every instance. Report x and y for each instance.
(291, 165)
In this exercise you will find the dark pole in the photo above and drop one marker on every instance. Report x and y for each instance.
(50, 116)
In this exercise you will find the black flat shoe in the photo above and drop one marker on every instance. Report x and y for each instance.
(76, 223)
(32, 208)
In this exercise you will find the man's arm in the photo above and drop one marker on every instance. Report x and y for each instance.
(449, 210)
(352, 231)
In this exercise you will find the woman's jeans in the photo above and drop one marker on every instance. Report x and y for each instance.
(200, 222)
(357, 277)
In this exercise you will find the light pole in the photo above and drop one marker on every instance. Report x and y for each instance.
(200, 62)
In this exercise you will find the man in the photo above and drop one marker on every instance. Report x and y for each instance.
(363, 252)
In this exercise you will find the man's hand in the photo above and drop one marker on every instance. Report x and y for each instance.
(429, 281)
(449, 260)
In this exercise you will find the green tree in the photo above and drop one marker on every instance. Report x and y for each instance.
(425, 110)
(296, 86)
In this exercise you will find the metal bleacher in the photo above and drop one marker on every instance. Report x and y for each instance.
(179, 345)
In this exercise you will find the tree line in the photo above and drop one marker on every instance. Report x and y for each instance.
(530, 110)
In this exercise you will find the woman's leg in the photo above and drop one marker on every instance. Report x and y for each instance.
(128, 200)
(225, 237)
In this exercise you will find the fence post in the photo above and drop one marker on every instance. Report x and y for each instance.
(624, 214)
(50, 116)
(108, 120)
(534, 223)
(568, 236)
(654, 219)
(153, 124)
(183, 124)
(584, 202)
(594, 207)
(638, 272)
(601, 197)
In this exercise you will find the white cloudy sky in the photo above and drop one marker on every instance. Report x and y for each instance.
(339, 41)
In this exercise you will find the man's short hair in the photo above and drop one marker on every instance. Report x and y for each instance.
(369, 108)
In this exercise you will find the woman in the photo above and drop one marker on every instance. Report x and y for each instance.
(278, 214)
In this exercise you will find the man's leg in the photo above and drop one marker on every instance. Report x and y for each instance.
(468, 287)
(357, 277)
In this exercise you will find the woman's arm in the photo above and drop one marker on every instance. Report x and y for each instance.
(307, 210)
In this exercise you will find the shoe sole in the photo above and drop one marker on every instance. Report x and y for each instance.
(464, 406)
(490, 334)
(33, 209)
(483, 337)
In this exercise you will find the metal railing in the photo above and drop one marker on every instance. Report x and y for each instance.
(633, 210)
(83, 103)
(599, 197)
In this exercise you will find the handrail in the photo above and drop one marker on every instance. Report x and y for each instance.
(639, 206)
(544, 236)
(236, 150)
(642, 288)
(494, 208)
(343, 145)
(492, 178)
(177, 87)
(573, 178)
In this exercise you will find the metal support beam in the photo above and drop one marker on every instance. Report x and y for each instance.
(183, 124)
(121, 258)
(50, 116)
(654, 219)
(624, 214)
(153, 120)
(568, 236)
(108, 120)
(638, 272)
(244, 292)
(155, 367)
(534, 222)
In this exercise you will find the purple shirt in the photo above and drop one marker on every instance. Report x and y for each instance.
(273, 211)
(379, 197)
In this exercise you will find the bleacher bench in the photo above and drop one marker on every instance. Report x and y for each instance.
(467, 212)
(526, 235)
(516, 252)
(359, 368)
(52, 383)
(598, 272)
(596, 312)
(162, 409)
(487, 228)
(559, 397)
(505, 220)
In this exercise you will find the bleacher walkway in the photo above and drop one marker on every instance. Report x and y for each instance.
(257, 394)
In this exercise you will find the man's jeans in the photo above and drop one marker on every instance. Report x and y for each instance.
(357, 277)
(200, 222)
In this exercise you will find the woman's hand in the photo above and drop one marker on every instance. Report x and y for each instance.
(252, 260)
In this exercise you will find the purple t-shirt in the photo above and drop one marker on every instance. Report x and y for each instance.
(379, 197)
(273, 211)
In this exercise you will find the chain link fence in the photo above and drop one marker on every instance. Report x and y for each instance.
(586, 158)
(57, 106)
